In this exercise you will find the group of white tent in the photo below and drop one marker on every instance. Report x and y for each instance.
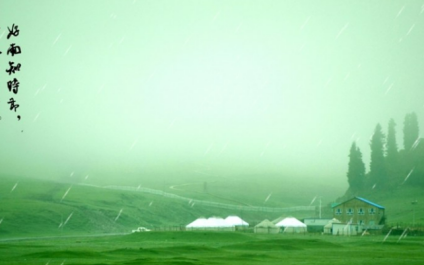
(217, 223)
(286, 225)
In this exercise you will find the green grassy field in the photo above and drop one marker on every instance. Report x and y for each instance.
(214, 248)
(90, 225)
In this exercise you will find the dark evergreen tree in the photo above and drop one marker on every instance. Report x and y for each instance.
(391, 147)
(378, 175)
(356, 169)
(410, 131)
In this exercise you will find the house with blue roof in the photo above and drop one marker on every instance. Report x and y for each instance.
(360, 211)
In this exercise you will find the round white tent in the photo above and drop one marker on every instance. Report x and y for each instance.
(199, 222)
(291, 225)
(328, 228)
(236, 221)
(266, 227)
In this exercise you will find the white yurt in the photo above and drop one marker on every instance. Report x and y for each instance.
(291, 225)
(266, 227)
(236, 221)
(198, 223)
(328, 228)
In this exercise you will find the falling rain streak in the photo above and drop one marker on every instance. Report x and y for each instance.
(119, 214)
(62, 225)
(57, 38)
(66, 193)
(67, 50)
(342, 30)
(313, 200)
(416, 143)
(267, 198)
(407, 177)
(403, 235)
(387, 235)
(14, 187)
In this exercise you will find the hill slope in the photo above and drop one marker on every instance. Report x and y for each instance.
(30, 207)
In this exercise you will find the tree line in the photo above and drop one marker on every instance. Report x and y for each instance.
(389, 166)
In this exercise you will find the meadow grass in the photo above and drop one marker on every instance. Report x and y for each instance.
(201, 247)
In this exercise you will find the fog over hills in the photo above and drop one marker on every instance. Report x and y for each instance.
(119, 90)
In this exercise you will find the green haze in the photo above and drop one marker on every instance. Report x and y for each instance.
(236, 86)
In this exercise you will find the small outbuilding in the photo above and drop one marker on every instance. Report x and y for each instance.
(328, 228)
(316, 224)
(266, 227)
(348, 229)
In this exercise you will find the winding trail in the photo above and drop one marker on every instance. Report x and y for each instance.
(207, 203)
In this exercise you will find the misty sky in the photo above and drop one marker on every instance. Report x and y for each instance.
(260, 86)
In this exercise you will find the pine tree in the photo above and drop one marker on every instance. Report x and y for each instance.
(392, 149)
(410, 131)
(356, 169)
(378, 175)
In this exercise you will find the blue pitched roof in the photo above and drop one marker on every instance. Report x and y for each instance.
(370, 202)
(361, 199)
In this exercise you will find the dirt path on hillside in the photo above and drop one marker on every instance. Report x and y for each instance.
(173, 187)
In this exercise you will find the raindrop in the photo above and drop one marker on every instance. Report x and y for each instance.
(341, 31)
(66, 193)
(119, 214)
(400, 11)
(305, 23)
(269, 196)
(133, 144)
(67, 50)
(407, 177)
(67, 219)
(216, 16)
(390, 87)
(207, 150)
(385, 80)
(410, 29)
(57, 38)
(402, 235)
(313, 200)
(387, 235)
(14, 187)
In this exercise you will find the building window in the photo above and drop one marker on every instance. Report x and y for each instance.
(361, 222)
(372, 211)
(349, 211)
(361, 211)
(338, 211)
